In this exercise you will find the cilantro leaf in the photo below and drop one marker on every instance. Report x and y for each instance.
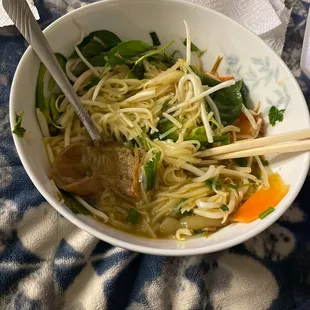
(275, 115)
(133, 216)
(18, 129)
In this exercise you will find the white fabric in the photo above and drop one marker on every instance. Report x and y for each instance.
(5, 19)
(266, 18)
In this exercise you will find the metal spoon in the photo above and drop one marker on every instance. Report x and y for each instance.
(22, 17)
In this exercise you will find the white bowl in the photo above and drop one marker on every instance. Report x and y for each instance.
(247, 56)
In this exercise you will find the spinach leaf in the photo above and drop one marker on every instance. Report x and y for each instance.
(150, 168)
(229, 102)
(93, 81)
(18, 129)
(62, 60)
(97, 42)
(42, 102)
(133, 216)
(113, 61)
(165, 59)
(107, 38)
(164, 127)
(142, 141)
(137, 72)
(130, 49)
(99, 60)
(103, 59)
(155, 38)
(55, 114)
(138, 69)
(40, 99)
(205, 78)
(121, 54)
(199, 134)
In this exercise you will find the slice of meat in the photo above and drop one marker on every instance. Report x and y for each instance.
(85, 169)
(70, 173)
(117, 168)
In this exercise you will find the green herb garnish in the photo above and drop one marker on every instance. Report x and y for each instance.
(194, 47)
(206, 79)
(150, 169)
(215, 182)
(275, 115)
(18, 129)
(186, 213)
(229, 102)
(241, 162)
(179, 214)
(62, 60)
(199, 134)
(133, 216)
(233, 186)
(155, 38)
(93, 82)
(224, 207)
(138, 69)
(97, 42)
(264, 161)
(201, 231)
(164, 127)
(198, 231)
(74, 205)
(266, 213)
(206, 234)
(43, 101)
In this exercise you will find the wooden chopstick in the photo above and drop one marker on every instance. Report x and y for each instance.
(288, 147)
(256, 143)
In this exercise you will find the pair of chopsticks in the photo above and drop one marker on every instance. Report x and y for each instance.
(283, 143)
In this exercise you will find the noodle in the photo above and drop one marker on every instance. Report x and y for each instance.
(165, 115)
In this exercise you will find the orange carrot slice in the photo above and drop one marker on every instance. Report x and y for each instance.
(244, 125)
(225, 78)
(216, 65)
(262, 200)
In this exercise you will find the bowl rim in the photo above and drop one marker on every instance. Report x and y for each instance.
(76, 220)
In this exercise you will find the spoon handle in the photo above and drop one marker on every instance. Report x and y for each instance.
(22, 17)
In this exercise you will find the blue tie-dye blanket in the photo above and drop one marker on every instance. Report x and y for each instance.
(48, 263)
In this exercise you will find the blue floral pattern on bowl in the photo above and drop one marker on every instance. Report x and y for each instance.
(260, 73)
